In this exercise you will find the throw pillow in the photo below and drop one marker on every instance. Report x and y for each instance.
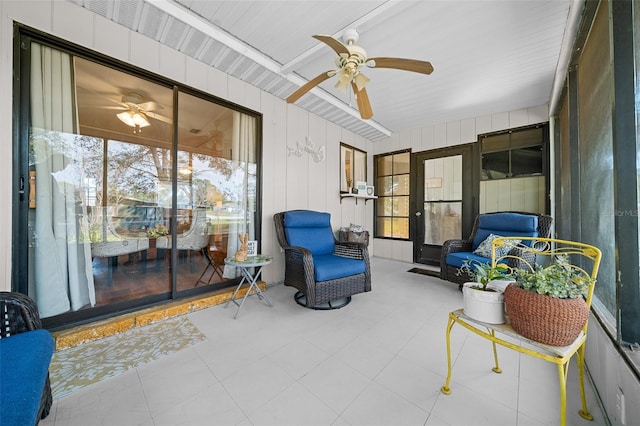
(484, 248)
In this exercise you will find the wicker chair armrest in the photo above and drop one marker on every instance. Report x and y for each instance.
(352, 249)
(455, 246)
(19, 313)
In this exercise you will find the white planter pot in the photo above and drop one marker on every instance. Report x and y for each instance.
(485, 306)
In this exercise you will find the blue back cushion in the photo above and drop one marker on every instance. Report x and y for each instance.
(311, 230)
(505, 225)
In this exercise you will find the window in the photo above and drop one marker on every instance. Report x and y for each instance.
(138, 186)
(517, 153)
(392, 206)
(513, 170)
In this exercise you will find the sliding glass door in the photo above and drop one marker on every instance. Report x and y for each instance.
(132, 190)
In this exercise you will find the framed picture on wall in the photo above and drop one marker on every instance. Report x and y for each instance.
(353, 167)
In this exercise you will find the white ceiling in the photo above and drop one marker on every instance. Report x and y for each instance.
(489, 56)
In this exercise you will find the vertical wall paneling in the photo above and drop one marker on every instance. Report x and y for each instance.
(236, 88)
(144, 52)
(483, 125)
(453, 133)
(440, 135)
(428, 136)
(73, 23)
(519, 118)
(468, 131)
(196, 74)
(117, 44)
(217, 83)
(500, 121)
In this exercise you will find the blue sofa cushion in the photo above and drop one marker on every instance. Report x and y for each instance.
(331, 267)
(505, 225)
(24, 365)
(311, 230)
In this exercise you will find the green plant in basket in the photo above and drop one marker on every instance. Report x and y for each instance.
(559, 280)
(483, 273)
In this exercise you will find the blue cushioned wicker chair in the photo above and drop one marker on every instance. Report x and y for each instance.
(326, 272)
(503, 224)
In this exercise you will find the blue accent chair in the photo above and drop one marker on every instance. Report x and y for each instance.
(25, 354)
(325, 271)
(503, 224)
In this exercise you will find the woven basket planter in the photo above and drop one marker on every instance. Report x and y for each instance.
(543, 318)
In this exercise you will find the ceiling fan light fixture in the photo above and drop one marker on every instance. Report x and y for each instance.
(133, 119)
(361, 81)
(344, 80)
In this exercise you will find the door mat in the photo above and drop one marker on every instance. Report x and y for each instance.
(80, 366)
(429, 272)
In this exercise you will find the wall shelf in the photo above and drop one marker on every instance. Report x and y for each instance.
(356, 196)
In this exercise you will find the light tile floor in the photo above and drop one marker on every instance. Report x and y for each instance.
(381, 360)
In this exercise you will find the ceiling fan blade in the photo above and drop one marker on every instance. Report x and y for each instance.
(158, 117)
(414, 65)
(338, 47)
(150, 106)
(310, 85)
(364, 106)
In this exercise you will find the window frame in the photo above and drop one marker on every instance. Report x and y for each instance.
(23, 37)
(382, 197)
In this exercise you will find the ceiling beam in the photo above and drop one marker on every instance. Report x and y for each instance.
(189, 18)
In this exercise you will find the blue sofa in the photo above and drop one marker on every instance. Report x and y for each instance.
(503, 224)
(25, 354)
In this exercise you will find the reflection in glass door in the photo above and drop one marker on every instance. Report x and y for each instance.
(442, 200)
(443, 189)
(122, 207)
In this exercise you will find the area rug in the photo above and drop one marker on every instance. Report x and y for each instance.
(429, 272)
(75, 368)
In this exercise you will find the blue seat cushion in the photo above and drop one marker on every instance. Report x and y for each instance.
(330, 267)
(457, 259)
(311, 230)
(505, 225)
(24, 365)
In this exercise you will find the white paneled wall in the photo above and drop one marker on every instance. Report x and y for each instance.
(288, 182)
(453, 133)
(612, 376)
(518, 194)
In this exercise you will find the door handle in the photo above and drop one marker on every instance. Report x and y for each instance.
(418, 214)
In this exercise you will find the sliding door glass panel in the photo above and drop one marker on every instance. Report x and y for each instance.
(217, 180)
(442, 199)
(96, 153)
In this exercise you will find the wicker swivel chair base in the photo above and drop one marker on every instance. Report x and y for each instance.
(301, 299)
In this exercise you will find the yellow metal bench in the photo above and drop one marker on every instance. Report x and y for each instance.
(584, 258)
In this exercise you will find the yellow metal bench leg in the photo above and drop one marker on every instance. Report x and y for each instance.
(495, 369)
(445, 389)
(584, 413)
(562, 376)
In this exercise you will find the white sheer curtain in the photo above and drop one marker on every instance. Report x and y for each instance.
(62, 277)
(243, 157)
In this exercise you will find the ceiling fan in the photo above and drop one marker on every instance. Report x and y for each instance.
(136, 112)
(351, 58)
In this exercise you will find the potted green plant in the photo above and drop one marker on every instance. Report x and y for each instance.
(483, 297)
(546, 304)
